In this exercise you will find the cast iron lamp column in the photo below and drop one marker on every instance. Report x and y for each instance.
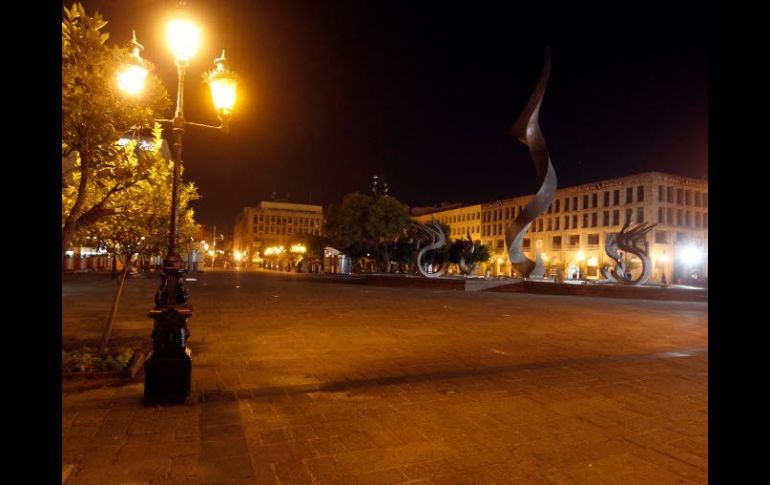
(168, 371)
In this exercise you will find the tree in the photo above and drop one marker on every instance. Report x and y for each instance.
(95, 115)
(363, 224)
(142, 224)
(385, 225)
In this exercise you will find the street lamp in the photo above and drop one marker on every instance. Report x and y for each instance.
(168, 371)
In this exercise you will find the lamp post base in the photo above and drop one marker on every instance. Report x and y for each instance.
(168, 371)
(167, 379)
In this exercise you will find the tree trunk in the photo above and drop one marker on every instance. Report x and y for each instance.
(70, 223)
(114, 311)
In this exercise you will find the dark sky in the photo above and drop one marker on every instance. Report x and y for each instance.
(333, 92)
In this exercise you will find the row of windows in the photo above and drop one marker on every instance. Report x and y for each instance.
(462, 231)
(571, 222)
(589, 201)
(459, 218)
(683, 218)
(272, 229)
(683, 196)
(573, 241)
(273, 219)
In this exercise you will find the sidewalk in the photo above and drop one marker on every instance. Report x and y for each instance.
(296, 382)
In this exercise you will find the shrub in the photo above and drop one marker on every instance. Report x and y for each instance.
(85, 359)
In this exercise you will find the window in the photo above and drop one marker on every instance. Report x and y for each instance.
(550, 224)
(606, 218)
(661, 216)
(698, 219)
(574, 221)
(540, 226)
(556, 221)
(682, 238)
(272, 218)
(585, 220)
(706, 200)
(525, 244)
(254, 221)
(615, 217)
(679, 217)
(705, 220)
(556, 209)
(661, 194)
(616, 197)
(670, 216)
(606, 198)
(697, 199)
(670, 195)
(566, 222)
(660, 237)
(593, 239)
(499, 244)
(550, 209)
(629, 195)
(556, 243)
(585, 201)
(593, 219)
(594, 199)
(574, 240)
(574, 203)
(639, 215)
(687, 219)
(640, 193)
(679, 198)
(687, 197)
(628, 216)
(566, 204)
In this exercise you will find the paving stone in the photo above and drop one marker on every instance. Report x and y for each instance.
(414, 386)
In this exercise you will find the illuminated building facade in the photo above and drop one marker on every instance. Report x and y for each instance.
(571, 235)
(274, 224)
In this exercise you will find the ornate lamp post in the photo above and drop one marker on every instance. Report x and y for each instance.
(168, 371)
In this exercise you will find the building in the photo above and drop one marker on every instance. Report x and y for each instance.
(572, 233)
(274, 224)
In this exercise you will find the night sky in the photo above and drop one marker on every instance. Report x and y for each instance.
(424, 93)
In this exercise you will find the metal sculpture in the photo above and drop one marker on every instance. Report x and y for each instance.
(466, 251)
(527, 130)
(632, 241)
(437, 240)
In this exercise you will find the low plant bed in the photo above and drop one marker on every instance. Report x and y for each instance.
(84, 362)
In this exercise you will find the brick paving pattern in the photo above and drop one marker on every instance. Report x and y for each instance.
(296, 381)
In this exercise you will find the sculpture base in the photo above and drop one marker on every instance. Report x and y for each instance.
(167, 379)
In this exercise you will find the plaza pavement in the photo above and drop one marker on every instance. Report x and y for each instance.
(297, 381)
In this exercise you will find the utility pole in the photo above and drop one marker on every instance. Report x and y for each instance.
(214, 236)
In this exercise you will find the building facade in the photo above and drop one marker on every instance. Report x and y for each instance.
(274, 224)
(572, 233)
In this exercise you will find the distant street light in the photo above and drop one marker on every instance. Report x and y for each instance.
(169, 369)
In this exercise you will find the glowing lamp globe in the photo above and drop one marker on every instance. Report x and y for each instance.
(223, 83)
(183, 38)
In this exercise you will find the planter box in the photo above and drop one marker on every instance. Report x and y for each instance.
(127, 373)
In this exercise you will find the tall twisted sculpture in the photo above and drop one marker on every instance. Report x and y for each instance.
(632, 241)
(433, 233)
(527, 130)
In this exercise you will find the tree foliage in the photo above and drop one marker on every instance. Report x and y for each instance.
(364, 224)
(95, 115)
